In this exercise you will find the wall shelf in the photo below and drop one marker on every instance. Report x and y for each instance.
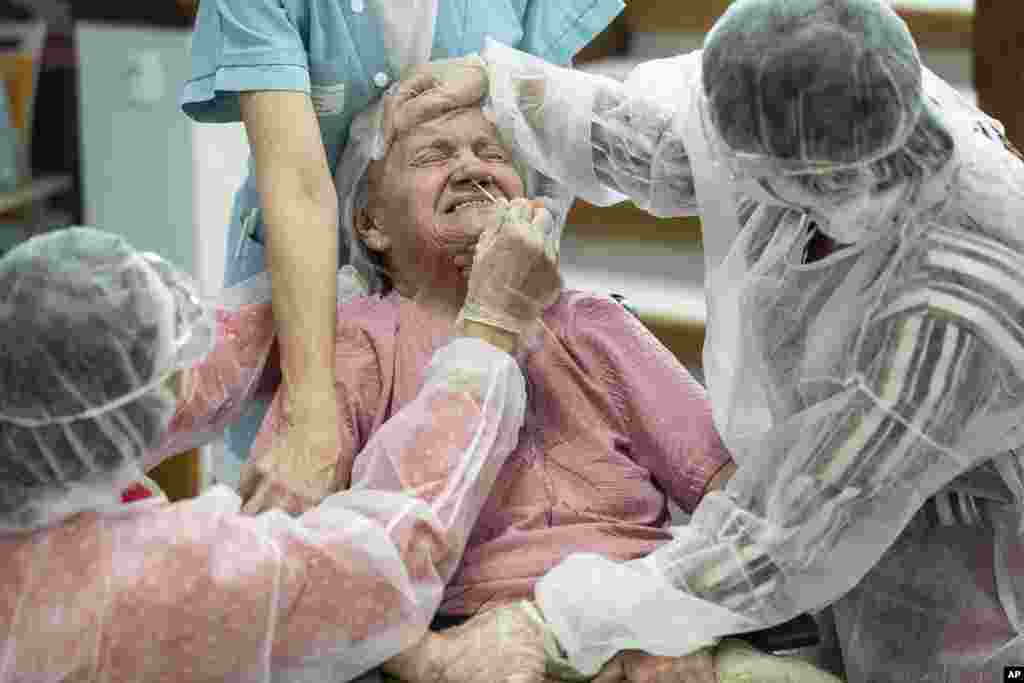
(33, 192)
(932, 28)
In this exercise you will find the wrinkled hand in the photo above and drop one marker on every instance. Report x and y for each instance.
(504, 644)
(430, 90)
(515, 269)
(299, 469)
(634, 666)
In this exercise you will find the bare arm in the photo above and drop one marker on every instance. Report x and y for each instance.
(300, 210)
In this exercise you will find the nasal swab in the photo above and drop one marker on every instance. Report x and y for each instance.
(489, 195)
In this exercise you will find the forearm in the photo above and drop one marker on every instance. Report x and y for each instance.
(300, 215)
(604, 140)
(832, 501)
(636, 150)
(467, 418)
(215, 392)
(302, 259)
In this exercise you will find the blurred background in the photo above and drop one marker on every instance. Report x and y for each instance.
(91, 132)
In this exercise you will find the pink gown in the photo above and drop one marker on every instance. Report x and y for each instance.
(615, 427)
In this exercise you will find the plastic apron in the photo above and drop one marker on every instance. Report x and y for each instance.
(944, 602)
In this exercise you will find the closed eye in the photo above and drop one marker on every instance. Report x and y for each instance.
(431, 155)
(493, 153)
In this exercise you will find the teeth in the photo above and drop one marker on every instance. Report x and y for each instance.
(475, 202)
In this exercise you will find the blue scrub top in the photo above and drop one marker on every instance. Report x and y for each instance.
(334, 50)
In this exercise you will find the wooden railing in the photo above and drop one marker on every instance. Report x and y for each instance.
(932, 29)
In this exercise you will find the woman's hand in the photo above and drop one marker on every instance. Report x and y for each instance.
(515, 270)
(299, 469)
(504, 644)
(431, 90)
(634, 666)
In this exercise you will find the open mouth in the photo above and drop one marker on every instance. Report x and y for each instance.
(458, 206)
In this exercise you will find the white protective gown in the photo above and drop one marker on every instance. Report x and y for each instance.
(850, 390)
(153, 592)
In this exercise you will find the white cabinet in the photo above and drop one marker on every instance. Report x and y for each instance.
(148, 172)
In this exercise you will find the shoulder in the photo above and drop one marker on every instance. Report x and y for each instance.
(576, 308)
(367, 325)
(965, 278)
(580, 316)
(368, 311)
(240, 46)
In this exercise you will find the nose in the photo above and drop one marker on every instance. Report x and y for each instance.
(467, 174)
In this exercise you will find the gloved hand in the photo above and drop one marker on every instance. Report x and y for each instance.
(298, 470)
(515, 270)
(503, 644)
(736, 661)
(430, 90)
(634, 666)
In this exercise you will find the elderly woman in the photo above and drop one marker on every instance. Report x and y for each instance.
(602, 452)
(104, 580)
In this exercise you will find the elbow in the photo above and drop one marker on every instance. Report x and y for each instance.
(321, 193)
(319, 198)
(301, 205)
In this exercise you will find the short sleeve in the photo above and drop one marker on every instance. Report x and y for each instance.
(239, 46)
(556, 30)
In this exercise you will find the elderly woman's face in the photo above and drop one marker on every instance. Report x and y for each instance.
(424, 196)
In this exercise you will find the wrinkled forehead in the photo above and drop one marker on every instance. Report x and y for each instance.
(465, 125)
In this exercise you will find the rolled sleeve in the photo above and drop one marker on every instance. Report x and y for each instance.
(697, 473)
(239, 46)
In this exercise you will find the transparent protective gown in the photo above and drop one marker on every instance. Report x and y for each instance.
(872, 398)
(194, 591)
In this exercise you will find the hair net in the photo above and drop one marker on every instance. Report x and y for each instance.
(809, 86)
(89, 329)
(365, 144)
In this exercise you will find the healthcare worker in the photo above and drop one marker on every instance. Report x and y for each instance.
(864, 357)
(296, 72)
(96, 589)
